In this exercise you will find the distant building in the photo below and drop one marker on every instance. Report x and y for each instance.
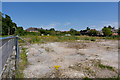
(32, 30)
(67, 34)
(100, 33)
(84, 32)
(115, 32)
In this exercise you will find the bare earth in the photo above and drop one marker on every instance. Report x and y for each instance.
(77, 59)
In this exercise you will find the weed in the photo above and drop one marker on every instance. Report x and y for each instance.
(86, 38)
(57, 73)
(118, 47)
(108, 47)
(86, 78)
(47, 49)
(43, 39)
(38, 61)
(88, 68)
(23, 62)
(42, 46)
(105, 66)
(93, 39)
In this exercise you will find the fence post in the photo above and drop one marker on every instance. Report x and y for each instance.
(17, 55)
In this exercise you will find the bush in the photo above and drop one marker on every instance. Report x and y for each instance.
(107, 31)
(93, 39)
(86, 38)
(92, 32)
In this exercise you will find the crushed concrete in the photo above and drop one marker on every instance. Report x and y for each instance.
(67, 55)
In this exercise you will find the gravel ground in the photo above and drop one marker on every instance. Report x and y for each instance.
(77, 59)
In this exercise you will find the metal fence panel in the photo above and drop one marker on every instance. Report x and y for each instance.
(6, 49)
(0, 59)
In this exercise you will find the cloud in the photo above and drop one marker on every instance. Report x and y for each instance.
(95, 27)
(49, 26)
(54, 25)
(68, 23)
(113, 24)
(99, 28)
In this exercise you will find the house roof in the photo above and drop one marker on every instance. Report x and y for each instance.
(33, 29)
(114, 30)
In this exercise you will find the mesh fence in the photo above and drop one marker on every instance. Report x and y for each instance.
(6, 49)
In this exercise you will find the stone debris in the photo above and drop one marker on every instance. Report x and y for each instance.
(76, 60)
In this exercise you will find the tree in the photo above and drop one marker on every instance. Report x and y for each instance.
(107, 31)
(113, 28)
(0, 23)
(39, 33)
(72, 31)
(109, 27)
(77, 33)
(9, 23)
(20, 31)
(42, 31)
(52, 29)
(92, 32)
(52, 32)
(8, 26)
(87, 28)
(119, 31)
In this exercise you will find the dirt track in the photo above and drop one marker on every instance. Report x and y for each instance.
(76, 59)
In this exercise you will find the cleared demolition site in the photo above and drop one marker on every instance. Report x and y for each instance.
(74, 59)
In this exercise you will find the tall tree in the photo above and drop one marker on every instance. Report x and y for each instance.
(87, 28)
(8, 26)
(0, 23)
(92, 32)
(42, 31)
(119, 31)
(109, 27)
(72, 31)
(52, 31)
(20, 31)
(107, 31)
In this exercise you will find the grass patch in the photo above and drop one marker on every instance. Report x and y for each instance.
(86, 78)
(105, 66)
(93, 39)
(43, 39)
(22, 63)
(111, 38)
(87, 38)
(5, 35)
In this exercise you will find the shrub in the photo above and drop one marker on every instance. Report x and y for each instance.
(92, 32)
(93, 39)
(86, 38)
(107, 31)
(105, 66)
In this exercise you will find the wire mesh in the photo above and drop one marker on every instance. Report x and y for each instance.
(6, 49)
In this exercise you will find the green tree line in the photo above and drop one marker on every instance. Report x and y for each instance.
(10, 28)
